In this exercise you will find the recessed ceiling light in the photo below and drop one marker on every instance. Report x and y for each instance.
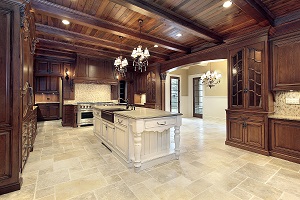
(66, 22)
(227, 4)
(178, 34)
(155, 45)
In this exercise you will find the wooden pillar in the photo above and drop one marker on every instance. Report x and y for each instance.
(163, 92)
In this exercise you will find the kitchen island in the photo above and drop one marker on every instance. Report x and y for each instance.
(139, 138)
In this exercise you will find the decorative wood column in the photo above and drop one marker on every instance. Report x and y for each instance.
(163, 92)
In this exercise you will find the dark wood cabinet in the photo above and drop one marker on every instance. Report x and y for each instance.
(141, 83)
(247, 131)
(47, 84)
(247, 71)
(47, 68)
(286, 62)
(285, 139)
(249, 101)
(69, 116)
(48, 111)
(92, 70)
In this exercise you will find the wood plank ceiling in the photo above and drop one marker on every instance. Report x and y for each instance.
(97, 24)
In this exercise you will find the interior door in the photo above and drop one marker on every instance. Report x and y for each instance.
(175, 94)
(197, 97)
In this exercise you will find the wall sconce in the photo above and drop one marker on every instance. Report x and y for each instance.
(67, 74)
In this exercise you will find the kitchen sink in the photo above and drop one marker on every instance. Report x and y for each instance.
(109, 113)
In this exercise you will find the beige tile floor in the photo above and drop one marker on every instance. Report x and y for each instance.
(71, 163)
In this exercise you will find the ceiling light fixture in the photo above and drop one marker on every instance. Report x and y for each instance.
(211, 78)
(178, 34)
(155, 45)
(66, 22)
(227, 4)
(140, 61)
(121, 65)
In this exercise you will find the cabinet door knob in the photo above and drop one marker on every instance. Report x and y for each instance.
(244, 124)
(245, 90)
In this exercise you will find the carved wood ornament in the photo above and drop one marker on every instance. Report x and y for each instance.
(28, 25)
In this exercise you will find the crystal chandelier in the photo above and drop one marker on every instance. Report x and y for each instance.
(211, 78)
(140, 57)
(121, 65)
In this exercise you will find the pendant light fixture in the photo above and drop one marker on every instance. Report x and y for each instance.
(140, 57)
(211, 78)
(121, 65)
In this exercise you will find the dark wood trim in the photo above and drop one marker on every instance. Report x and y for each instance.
(287, 18)
(186, 24)
(94, 22)
(57, 32)
(256, 9)
(218, 52)
(76, 48)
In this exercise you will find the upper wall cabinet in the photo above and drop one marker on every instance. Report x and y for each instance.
(92, 70)
(47, 68)
(286, 63)
(247, 80)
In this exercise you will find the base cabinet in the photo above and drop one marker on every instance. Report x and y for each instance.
(69, 115)
(247, 131)
(285, 139)
(48, 111)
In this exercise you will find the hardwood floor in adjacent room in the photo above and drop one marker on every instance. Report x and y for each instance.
(71, 163)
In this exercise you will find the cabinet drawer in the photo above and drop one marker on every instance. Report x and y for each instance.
(246, 117)
(167, 121)
(121, 121)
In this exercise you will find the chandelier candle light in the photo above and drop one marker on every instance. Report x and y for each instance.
(140, 61)
(211, 78)
(121, 65)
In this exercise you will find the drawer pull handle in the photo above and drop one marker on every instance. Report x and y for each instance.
(162, 123)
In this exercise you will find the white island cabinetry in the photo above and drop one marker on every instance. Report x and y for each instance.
(139, 138)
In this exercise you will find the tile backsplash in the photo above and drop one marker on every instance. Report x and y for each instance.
(281, 108)
(91, 93)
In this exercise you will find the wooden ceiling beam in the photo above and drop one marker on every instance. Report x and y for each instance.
(77, 17)
(75, 48)
(256, 9)
(71, 36)
(184, 23)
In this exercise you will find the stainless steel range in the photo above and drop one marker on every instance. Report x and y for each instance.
(85, 112)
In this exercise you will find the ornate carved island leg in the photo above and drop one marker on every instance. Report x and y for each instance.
(177, 141)
(137, 151)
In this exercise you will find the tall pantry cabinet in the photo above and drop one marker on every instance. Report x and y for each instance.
(248, 93)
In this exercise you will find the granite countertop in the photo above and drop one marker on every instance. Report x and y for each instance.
(42, 102)
(139, 113)
(284, 117)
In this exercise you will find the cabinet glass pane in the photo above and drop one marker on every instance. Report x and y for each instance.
(237, 78)
(254, 77)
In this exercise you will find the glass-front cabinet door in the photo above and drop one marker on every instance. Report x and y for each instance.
(237, 79)
(253, 90)
(246, 77)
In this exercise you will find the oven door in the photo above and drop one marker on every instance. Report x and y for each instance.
(85, 117)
